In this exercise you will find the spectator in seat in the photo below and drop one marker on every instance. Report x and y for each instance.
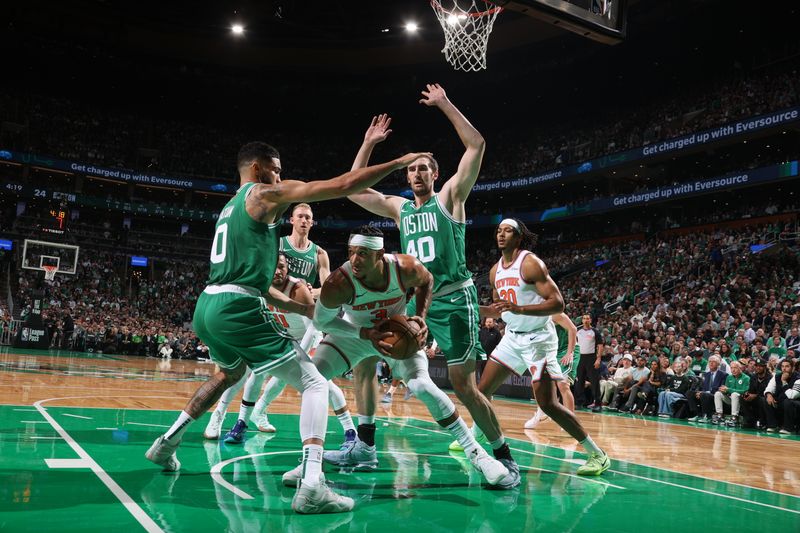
(776, 345)
(621, 378)
(758, 349)
(675, 388)
(639, 378)
(753, 401)
(702, 401)
(792, 340)
(776, 398)
(654, 385)
(736, 384)
(699, 361)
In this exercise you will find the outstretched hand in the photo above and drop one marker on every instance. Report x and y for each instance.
(433, 96)
(407, 159)
(378, 130)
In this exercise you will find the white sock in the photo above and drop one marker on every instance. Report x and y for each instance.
(177, 430)
(363, 419)
(463, 435)
(312, 464)
(273, 389)
(496, 444)
(346, 421)
(391, 390)
(590, 446)
(244, 410)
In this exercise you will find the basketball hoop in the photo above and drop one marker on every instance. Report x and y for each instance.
(50, 272)
(466, 31)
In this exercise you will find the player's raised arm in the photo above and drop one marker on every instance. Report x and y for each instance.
(373, 201)
(266, 196)
(457, 188)
(534, 271)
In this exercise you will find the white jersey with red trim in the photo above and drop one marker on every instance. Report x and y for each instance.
(511, 287)
(295, 324)
(371, 306)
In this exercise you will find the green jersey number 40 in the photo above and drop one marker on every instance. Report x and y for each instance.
(422, 248)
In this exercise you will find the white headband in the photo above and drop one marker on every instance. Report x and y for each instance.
(373, 243)
(511, 222)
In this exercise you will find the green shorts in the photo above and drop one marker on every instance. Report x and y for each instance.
(571, 370)
(454, 323)
(239, 328)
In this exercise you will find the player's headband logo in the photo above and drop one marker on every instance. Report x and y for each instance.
(366, 241)
(511, 222)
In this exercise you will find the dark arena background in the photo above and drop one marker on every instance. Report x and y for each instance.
(651, 146)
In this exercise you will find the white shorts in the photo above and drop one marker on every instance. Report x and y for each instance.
(534, 351)
(337, 354)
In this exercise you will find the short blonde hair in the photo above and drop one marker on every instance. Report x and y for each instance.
(303, 205)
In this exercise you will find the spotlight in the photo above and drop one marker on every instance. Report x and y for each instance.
(237, 29)
(411, 27)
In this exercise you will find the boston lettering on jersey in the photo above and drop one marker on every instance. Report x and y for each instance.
(302, 263)
(419, 222)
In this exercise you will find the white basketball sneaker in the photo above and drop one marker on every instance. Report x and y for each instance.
(262, 423)
(536, 419)
(353, 454)
(214, 426)
(162, 453)
(492, 469)
(320, 499)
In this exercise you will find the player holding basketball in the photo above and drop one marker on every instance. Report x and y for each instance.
(232, 319)
(432, 229)
(369, 289)
(301, 329)
(568, 350)
(525, 296)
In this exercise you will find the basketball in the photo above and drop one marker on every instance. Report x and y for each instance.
(404, 336)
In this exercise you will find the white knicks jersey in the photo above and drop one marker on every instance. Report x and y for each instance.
(295, 324)
(372, 306)
(512, 288)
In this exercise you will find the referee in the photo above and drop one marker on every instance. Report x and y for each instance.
(591, 345)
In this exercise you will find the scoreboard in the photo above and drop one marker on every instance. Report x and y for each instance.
(600, 20)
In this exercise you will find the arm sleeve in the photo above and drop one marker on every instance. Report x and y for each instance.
(326, 319)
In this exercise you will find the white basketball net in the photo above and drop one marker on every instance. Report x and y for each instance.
(50, 272)
(466, 31)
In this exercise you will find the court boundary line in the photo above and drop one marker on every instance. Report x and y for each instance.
(650, 478)
(130, 505)
(665, 469)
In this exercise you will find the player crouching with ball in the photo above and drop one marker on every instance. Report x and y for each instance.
(370, 289)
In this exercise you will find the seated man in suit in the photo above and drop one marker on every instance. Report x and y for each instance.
(702, 401)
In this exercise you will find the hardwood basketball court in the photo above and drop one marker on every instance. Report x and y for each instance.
(75, 428)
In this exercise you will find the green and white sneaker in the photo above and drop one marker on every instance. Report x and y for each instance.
(595, 465)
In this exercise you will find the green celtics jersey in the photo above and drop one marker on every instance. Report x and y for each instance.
(302, 263)
(244, 251)
(433, 236)
(563, 342)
